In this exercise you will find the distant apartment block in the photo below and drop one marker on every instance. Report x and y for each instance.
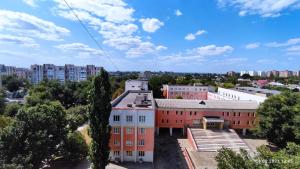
(186, 92)
(285, 73)
(14, 71)
(133, 126)
(136, 85)
(69, 72)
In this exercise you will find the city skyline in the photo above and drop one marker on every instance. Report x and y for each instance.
(172, 36)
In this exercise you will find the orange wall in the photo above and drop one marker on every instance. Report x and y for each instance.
(168, 118)
(148, 137)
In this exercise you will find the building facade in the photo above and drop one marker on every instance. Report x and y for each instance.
(133, 125)
(182, 114)
(185, 92)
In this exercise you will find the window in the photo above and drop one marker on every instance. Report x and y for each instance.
(116, 118)
(239, 113)
(167, 112)
(142, 119)
(142, 130)
(248, 122)
(141, 142)
(129, 153)
(116, 142)
(191, 113)
(234, 114)
(162, 121)
(248, 114)
(128, 118)
(195, 113)
(129, 130)
(253, 114)
(129, 143)
(181, 113)
(176, 112)
(227, 113)
(223, 113)
(116, 130)
(116, 153)
(239, 122)
(141, 153)
(233, 122)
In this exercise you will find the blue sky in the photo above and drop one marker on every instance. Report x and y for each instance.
(168, 35)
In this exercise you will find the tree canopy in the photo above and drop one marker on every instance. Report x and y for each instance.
(287, 157)
(279, 119)
(35, 135)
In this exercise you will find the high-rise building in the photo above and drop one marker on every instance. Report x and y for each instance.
(80, 73)
(285, 73)
(49, 71)
(36, 73)
(92, 70)
(60, 73)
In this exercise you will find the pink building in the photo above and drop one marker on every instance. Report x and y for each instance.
(185, 92)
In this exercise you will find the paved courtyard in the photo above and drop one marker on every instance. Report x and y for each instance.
(213, 140)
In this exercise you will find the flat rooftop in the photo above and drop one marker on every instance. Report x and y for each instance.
(207, 104)
(134, 99)
(253, 90)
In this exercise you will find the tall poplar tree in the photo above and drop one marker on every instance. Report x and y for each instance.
(99, 120)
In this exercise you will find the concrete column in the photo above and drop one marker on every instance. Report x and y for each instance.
(171, 131)
(244, 132)
(157, 131)
(204, 125)
(221, 125)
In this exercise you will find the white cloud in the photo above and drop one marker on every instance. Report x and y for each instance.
(192, 36)
(230, 61)
(264, 8)
(289, 42)
(30, 2)
(151, 24)
(23, 24)
(112, 19)
(178, 12)
(198, 54)
(115, 11)
(18, 40)
(252, 45)
(293, 50)
(79, 48)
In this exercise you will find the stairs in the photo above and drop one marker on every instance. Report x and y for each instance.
(213, 140)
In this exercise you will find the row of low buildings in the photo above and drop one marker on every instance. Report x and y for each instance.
(37, 73)
(136, 116)
(275, 73)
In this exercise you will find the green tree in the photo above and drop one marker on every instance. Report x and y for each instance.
(76, 116)
(2, 102)
(279, 119)
(179, 97)
(228, 85)
(12, 109)
(75, 147)
(228, 159)
(287, 157)
(5, 121)
(36, 134)
(99, 120)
